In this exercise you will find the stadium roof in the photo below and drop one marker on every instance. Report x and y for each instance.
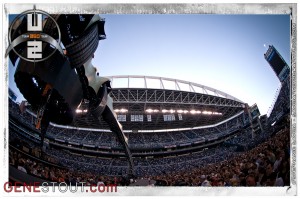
(153, 103)
(151, 82)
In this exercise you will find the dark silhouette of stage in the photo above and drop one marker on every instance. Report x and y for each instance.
(58, 87)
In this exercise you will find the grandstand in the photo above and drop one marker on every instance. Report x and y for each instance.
(173, 134)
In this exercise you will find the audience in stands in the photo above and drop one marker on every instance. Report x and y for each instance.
(256, 167)
(136, 140)
(263, 161)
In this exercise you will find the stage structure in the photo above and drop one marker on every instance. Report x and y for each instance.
(64, 84)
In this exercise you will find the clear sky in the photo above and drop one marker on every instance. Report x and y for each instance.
(225, 52)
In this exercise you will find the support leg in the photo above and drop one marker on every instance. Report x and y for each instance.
(109, 116)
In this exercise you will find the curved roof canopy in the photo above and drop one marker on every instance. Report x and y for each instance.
(153, 103)
(151, 82)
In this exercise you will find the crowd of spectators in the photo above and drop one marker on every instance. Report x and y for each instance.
(35, 167)
(265, 160)
(143, 167)
(268, 164)
(135, 140)
(248, 139)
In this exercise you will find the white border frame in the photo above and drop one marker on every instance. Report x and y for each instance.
(158, 9)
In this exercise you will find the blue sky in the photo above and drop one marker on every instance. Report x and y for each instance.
(220, 51)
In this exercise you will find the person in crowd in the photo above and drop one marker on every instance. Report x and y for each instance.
(251, 181)
(21, 166)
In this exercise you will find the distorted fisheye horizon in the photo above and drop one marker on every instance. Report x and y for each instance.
(191, 100)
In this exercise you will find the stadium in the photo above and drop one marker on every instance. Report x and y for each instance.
(178, 133)
(169, 131)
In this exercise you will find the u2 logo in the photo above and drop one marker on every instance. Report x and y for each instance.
(34, 37)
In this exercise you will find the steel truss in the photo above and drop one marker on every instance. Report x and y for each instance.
(170, 97)
(137, 100)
